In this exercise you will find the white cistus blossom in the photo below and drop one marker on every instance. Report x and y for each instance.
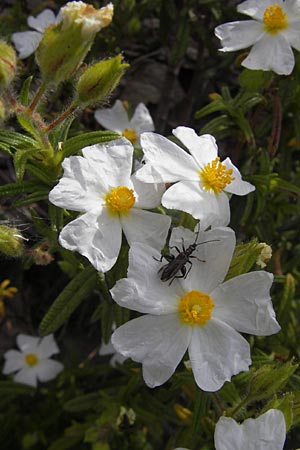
(272, 33)
(267, 432)
(200, 313)
(116, 119)
(201, 182)
(100, 185)
(26, 42)
(32, 362)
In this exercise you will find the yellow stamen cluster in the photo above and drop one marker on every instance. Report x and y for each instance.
(120, 200)
(195, 308)
(6, 291)
(31, 359)
(274, 19)
(130, 134)
(215, 176)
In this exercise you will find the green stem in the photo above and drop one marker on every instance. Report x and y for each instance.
(38, 95)
(101, 282)
(62, 117)
(238, 407)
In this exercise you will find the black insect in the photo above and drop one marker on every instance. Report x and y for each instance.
(177, 263)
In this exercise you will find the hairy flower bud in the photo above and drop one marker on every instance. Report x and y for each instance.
(11, 241)
(65, 45)
(99, 80)
(8, 64)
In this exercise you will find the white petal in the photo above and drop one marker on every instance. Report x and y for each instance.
(203, 148)
(237, 186)
(217, 352)
(256, 8)
(239, 35)
(14, 360)
(147, 195)
(26, 376)
(210, 261)
(271, 53)
(244, 303)
(47, 347)
(42, 20)
(165, 161)
(26, 42)
(113, 161)
(141, 120)
(267, 432)
(292, 35)
(142, 290)
(115, 118)
(81, 188)
(146, 227)
(95, 235)
(48, 369)
(159, 342)
(209, 208)
(27, 344)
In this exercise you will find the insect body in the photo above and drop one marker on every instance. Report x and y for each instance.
(177, 263)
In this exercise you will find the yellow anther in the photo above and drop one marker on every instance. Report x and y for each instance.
(130, 134)
(195, 308)
(31, 359)
(120, 200)
(274, 19)
(215, 176)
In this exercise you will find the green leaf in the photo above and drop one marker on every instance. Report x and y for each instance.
(216, 105)
(61, 132)
(255, 80)
(15, 389)
(75, 144)
(21, 187)
(36, 196)
(24, 93)
(68, 300)
(17, 140)
(82, 403)
(20, 160)
(41, 172)
(26, 123)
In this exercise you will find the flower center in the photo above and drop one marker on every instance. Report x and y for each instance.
(31, 359)
(274, 19)
(215, 176)
(120, 200)
(195, 308)
(130, 134)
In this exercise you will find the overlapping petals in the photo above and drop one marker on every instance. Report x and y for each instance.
(160, 338)
(167, 162)
(116, 119)
(267, 432)
(32, 362)
(87, 180)
(272, 50)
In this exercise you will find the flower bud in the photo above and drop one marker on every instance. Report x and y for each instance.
(265, 254)
(65, 45)
(99, 80)
(244, 257)
(11, 241)
(8, 64)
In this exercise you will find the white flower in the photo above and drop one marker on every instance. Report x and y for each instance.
(99, 184)
(26, 42)
(201, 180)
(116, 119)
(32, 363)
(200, 313)
(273, 32)
(267, 432)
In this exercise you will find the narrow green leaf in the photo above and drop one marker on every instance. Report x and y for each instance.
(41, 172)
(73, 145)
(15, 389)
(216, 105)
(24, 93)
(82, 403)
(41, 194)
(68, 300)
(17, 140)
(28, 126)
(22, 187)
(20, 160)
